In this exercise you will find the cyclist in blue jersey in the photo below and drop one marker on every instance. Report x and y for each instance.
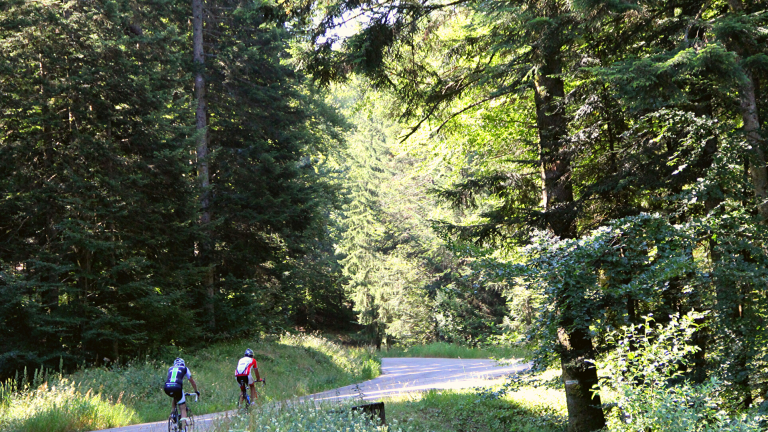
(174, 385)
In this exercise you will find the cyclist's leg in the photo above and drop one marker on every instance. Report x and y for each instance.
(182, 403)
(175, 393)
(241, 381)
(252, 385)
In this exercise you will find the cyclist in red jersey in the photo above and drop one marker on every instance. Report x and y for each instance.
(246, 366)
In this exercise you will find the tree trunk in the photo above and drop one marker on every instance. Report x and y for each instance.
(585, 412)
(555, 162)
(750, 117)
(757, 166)
(51, 296)
(203, 177)
(732, 300)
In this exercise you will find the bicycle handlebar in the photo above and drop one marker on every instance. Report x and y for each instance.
(196, 394)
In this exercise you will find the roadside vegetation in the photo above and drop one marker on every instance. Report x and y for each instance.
(532, 403)
(447, 350)
(295, 365)
(305, 418)
(103, 397)
(528, 410)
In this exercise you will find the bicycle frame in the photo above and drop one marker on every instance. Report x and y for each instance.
(244, 392)
(173, 419)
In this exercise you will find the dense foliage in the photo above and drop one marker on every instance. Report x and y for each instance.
(100, 244)
(609, 156)
(95, 209)
(643, 369)
(536, 171)
(406, 283)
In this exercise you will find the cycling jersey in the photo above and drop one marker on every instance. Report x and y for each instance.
(176, 375)
(174, 383)
(244, 366)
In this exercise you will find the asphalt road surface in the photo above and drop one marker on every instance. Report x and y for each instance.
(399, 375)
(404, 375)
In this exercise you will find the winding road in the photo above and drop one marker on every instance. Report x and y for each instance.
(398, 375)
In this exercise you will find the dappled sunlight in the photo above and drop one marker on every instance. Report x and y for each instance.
(528, 410)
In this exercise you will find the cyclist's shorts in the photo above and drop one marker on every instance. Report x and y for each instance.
(244, 380)
(176, 392)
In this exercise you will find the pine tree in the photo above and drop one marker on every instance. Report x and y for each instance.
(265, 131)
(94, 163)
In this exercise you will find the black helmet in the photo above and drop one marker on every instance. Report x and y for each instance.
(249, 353)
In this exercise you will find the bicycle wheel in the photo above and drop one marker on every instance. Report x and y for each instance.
(172, 424)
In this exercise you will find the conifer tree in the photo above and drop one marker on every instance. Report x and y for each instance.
(204, 246)
(102, 193)
(95, 202)
(266, 194)
(365, 236)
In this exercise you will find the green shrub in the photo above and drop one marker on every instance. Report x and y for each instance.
(645, 374)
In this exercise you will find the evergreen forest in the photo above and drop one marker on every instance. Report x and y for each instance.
(585, 179)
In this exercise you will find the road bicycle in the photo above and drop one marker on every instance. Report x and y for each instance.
(173, 419)
(244, 393)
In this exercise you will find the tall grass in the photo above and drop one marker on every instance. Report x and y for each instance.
(132, 393)
(60, 409)
(527, 410)
(446, 350)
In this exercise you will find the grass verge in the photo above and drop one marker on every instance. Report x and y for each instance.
(446, 350)
(527, 410)
(62, 408)
(304, 417)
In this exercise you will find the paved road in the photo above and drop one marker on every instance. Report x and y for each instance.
(403, 375)
(399, 375)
